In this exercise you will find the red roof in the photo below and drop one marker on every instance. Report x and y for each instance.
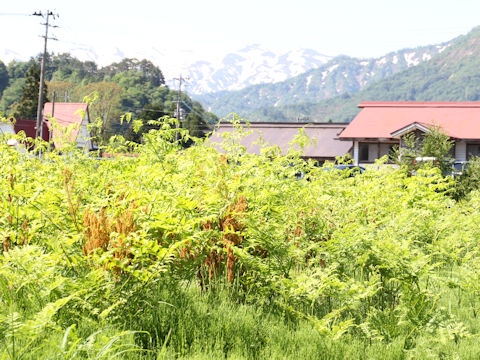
(29, 127)
(460, 120)
(65, 114)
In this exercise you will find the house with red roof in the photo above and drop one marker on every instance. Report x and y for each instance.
(381, 125)
(67, 122)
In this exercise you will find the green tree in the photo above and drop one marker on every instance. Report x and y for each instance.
(27, 106)
(18, 69)
(468, 180)
(150, 112)
(11, 94)
(64, 67)
(144, 68)
(434, 144)
(3, 77)
(437, 144)
(104, 98)
(196, 121)
(61, 89)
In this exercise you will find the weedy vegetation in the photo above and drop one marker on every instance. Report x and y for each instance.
(209, 252)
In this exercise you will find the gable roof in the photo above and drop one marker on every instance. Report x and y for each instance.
(65, 114)
(383, 120)
(280, 134)
(411, 127)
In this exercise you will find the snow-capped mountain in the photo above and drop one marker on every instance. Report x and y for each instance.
(250, 66)
(339, 75)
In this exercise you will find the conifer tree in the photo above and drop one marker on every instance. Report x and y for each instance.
(27, 106)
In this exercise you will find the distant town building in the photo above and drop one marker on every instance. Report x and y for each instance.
(326, 145)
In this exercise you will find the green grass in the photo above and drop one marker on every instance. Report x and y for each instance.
(198, 325)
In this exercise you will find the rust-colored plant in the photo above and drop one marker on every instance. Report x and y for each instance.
(99, 228)
(231, 225)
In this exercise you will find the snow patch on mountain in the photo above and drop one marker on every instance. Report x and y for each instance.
(426, 57)
(411, 59)
(307, 85)
(381, 61)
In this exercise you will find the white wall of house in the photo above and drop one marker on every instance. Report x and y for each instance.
(83, 138)
(6, 128)
(355, 152)
(460, 150)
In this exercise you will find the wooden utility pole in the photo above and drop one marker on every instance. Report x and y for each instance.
(42, 70)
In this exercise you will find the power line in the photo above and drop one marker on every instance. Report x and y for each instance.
(166, 112)
(14, 14)
(171, 112)
(194, 111)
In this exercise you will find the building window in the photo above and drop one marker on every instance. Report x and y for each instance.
(473, 150)
(453, 151)
(363, 152)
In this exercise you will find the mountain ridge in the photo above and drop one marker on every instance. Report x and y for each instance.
(342, 74)
(453, 75)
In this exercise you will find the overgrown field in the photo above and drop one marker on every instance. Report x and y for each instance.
(197, 254)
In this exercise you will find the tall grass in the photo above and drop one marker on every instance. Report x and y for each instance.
(196, 253)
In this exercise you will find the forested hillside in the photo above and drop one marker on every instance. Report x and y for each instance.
(131, 86)
(453, 75)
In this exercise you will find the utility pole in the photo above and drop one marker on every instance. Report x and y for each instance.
(179, 99)
(46, 16)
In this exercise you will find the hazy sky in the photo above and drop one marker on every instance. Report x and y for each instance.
(189, 30)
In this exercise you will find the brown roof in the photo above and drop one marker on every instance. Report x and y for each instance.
(281, 134)
(460, 120)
